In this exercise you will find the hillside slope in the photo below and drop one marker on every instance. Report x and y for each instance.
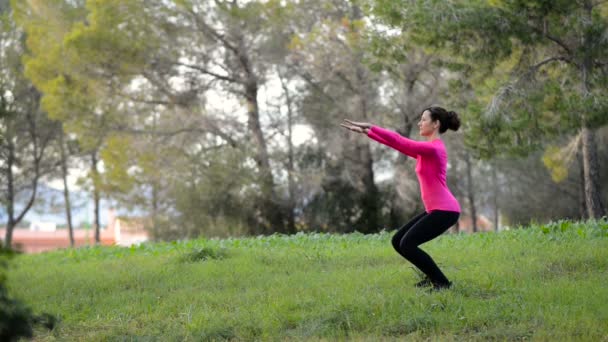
(540, 283)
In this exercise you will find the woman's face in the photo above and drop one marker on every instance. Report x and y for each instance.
(426, 125)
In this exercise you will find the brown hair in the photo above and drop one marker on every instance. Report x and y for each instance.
(447, 119)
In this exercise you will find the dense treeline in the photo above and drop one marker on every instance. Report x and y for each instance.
(192, 111)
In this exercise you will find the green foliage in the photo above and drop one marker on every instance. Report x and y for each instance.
(16, 319)
(564, 229)
(121, 65)
(388, 51)
(116, 38)
(521, 95)
(529, 283)
(556, 164)
(217, 197)
(27, 135)
(79, 56)
(204, 253)
(62, 65)
(557, 160)
(467, 28)
(339, 204)
(115, 155)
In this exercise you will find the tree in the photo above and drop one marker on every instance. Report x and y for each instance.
(413, 80)
(330, 60)
(558, 68)
(25, 129)
(289, 100)
(236, 33)
(58, 72)
(204, 43)
(65, 154)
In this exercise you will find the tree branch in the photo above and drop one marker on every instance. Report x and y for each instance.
(309, 79)
(348, 83)
(206, 29)
(37, 160)
(162, 87)
(172, 133)
(537, 66)
(207, 72)
(137, 100)
(544, 32)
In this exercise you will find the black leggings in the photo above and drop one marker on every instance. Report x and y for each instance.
(419, 230)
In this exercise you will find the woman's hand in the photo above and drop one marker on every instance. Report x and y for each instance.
(359, 127)
(359, 124)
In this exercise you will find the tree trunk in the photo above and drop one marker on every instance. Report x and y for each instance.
(581, 186)
(496, 196)
(155, 190)
(241, 73)
(471, 191)
(370, 197)
(66, 191)
(96, 197)
(10, 205)
(369, 222)
(593, 200)
(291, 203)
(155, 227)
(271, 211)
(12, 220)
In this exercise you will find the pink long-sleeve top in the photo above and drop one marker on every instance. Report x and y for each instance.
(431, 165)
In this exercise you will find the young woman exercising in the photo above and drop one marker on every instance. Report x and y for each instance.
(441, 207)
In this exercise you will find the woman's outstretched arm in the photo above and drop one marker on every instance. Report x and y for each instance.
(389, 138)
(400, 143)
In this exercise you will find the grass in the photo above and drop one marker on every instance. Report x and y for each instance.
(545, 283)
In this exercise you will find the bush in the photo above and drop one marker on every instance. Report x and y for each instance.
(16, 319)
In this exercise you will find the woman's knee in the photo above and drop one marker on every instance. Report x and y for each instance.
(396, 241)
(407, 246)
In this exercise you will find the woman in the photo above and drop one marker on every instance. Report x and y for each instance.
(441, 207)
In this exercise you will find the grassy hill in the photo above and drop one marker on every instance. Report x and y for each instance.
(544, 282)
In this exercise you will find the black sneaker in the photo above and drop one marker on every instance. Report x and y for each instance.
(441, 286)
(424, 283)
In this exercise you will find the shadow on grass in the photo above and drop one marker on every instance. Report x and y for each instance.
(204, 253)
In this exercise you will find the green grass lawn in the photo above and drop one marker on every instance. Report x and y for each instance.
(547, 283)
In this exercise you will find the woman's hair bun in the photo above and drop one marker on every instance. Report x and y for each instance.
(453, 121)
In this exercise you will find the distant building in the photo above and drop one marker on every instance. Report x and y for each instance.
(45, 237)
(465, 224)
(43, 226)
